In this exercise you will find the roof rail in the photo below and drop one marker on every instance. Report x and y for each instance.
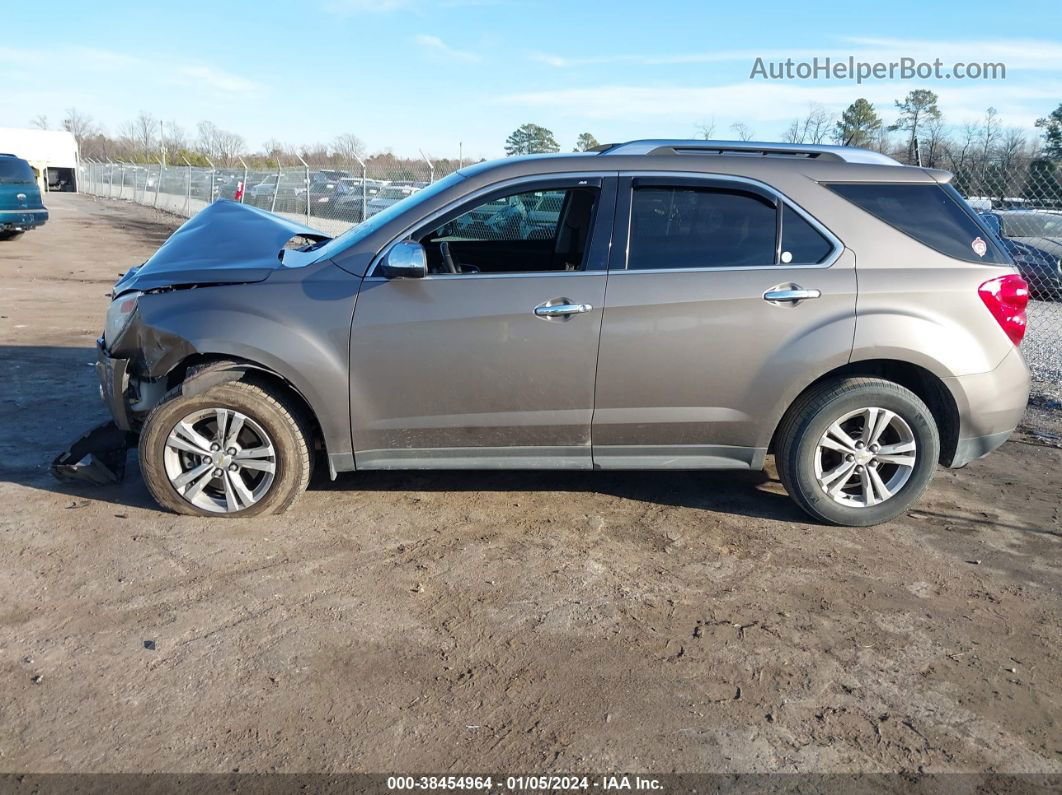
(846, 154)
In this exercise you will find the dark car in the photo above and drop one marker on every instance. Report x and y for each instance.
(21, 208)
(1033, 238)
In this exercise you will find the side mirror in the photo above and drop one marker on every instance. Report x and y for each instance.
(404, 260)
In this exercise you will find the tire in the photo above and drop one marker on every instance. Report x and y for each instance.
(804, 466)
(270, 423)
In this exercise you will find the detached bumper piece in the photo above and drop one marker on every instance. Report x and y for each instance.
(98, 457)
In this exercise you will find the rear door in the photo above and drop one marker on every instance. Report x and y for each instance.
(705, 330)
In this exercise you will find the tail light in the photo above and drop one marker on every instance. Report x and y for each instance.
(1006, 298)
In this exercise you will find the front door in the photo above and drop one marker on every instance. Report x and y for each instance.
(490, 359)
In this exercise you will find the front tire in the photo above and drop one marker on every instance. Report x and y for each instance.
(234, 450)
(857, 451)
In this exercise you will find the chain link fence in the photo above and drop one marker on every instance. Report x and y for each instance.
(1021, 203)
(329, 199)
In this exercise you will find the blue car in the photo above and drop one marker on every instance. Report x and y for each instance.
(21, 207)
(1033, 238)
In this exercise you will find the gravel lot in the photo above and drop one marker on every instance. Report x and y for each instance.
(509, 622)
(1043, 341)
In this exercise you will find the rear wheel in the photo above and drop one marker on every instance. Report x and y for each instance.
(857, 451)
(234, 450)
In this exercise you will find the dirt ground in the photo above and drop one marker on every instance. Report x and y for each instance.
(506, 622)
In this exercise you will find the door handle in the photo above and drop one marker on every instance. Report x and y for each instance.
(793, 294)
(561, 310)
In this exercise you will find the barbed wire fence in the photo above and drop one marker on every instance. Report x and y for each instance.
(1022, 204)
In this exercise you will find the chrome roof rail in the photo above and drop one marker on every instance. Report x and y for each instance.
(846, 154)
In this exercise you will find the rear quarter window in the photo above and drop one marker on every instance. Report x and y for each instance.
(14, 170)
(934, 215)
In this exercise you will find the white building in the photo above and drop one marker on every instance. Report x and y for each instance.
(52, 154)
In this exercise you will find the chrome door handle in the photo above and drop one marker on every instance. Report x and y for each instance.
(793, 294)
(561, 310)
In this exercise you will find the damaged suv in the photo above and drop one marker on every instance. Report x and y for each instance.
(650, 305)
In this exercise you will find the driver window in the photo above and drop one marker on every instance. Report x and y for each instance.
(530, 231)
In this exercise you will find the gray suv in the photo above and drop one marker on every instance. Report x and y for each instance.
(649, 305)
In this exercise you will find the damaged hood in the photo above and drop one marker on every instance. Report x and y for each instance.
(224, 243)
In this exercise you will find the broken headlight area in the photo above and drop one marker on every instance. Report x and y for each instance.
(119, 313)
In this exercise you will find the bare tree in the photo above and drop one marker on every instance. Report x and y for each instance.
(706, 129)
(935, 137)
(814, 128)
(742, 131)
(40, 121)
(989, 136)
(173, 140)
(80, 124)
(348, 147)
(221, 146)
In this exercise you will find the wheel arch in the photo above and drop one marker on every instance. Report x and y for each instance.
(928, 386)
(198, 372)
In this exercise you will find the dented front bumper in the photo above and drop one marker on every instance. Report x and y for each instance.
(98, 457)
(114, 383)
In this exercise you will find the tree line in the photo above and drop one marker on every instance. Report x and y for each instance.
(987, 158)
(147, 139)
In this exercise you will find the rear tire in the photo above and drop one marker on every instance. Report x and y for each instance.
(261, 464)
(826, 457)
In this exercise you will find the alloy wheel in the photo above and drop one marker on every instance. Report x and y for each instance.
(220, 460)
(865, 457)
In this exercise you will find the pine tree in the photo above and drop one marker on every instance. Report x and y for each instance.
(859, 125)
(917, 108)
(530, 139)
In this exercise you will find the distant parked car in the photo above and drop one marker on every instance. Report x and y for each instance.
(349, 205)
(390, 195)
(1033, 238)
(287, 200)
(21, 208)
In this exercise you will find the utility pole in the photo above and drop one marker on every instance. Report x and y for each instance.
(162, 142)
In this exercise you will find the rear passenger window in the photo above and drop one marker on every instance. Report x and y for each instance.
(686, 227)
(802, 244)
(934, 215)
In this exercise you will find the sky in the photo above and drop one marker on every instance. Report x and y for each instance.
(442, 75)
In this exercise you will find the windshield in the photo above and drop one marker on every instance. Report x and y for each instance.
(1032, 225)
(385, 216)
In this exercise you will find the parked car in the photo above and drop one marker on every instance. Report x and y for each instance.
(21, 208)
(325, 195)
(289, 197)
(389, 195)
(350, 206)
(1033, 238)
(693, 307)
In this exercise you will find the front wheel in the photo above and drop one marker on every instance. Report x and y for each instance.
(233, 450)
(857, 451)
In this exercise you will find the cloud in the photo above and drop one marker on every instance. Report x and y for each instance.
(218, 80)
(768, 103)
(1015, 53)
(437, 47)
